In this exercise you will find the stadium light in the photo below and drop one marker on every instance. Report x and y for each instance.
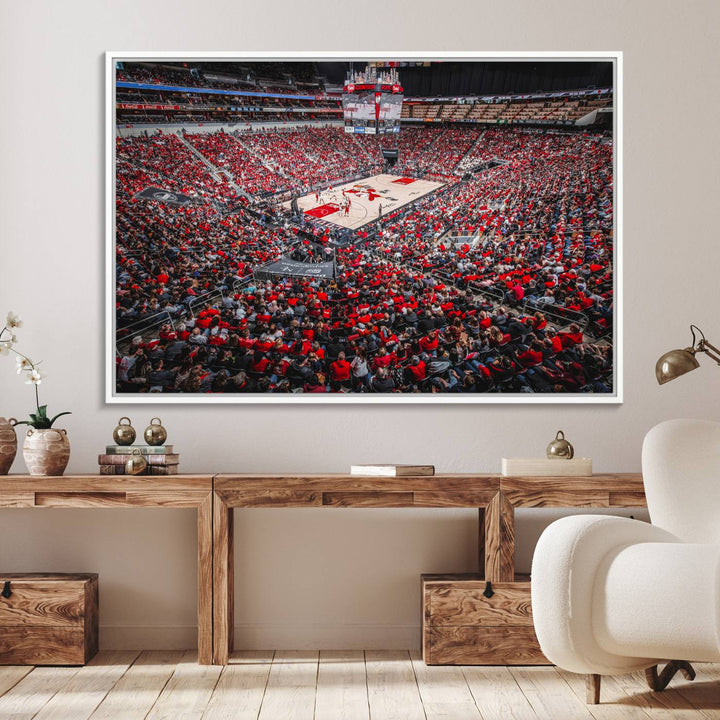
(678, 362)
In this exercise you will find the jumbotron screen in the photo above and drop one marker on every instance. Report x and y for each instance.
(359, 107)
(372, 102)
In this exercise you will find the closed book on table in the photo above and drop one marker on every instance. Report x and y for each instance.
(112, 469)
(162, 470)
(144, 449)
(149, 470)
(392, 470)
(48, 618)
(109, 459)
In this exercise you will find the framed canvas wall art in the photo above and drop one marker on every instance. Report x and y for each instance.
(407, 227)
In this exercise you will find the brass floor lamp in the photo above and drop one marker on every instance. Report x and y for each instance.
(678, 362)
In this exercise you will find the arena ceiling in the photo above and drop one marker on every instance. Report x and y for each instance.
(438, 79)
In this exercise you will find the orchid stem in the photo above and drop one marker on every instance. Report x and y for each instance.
(25, 357)
(30, 362)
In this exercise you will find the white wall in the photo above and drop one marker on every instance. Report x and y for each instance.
(331, 578)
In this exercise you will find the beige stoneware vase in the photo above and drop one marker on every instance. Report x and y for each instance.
(46, 452)
(8, 444)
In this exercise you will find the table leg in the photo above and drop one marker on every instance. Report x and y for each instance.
(223, 581)
(499, 518)
(481, 541)
(205, 580)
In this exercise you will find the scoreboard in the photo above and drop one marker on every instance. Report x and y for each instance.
(372, 107)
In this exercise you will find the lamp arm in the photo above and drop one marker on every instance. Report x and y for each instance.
(710, 350)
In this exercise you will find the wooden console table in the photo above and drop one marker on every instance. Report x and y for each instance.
(215, 498)
(495, 497)
(111, 491)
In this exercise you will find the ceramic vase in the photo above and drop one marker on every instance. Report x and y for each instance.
(46, 452)
(8, 445)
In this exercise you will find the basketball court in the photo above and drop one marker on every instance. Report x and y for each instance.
(366, 198)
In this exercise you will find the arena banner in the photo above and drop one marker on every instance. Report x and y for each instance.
(165, 196)
(430, 228)
(293, 268)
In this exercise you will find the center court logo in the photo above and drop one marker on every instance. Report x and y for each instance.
(166, 196)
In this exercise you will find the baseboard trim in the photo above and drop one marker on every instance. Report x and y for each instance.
(148, 637)
(327, 637)
(254, 636)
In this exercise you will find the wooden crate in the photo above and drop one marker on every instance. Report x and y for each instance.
(48, 618)
(463, 627)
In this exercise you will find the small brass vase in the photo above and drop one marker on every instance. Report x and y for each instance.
(560, 448)
(155, 433)
(124, 433)
(136, 463)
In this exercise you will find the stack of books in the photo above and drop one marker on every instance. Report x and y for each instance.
(161, 459)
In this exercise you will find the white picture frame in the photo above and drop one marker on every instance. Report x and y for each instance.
(112, 395)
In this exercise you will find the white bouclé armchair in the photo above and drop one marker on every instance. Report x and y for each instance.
(613, 595)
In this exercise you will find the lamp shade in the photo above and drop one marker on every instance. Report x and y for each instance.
(675, 363)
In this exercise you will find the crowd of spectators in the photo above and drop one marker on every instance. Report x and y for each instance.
(545, 217)
(515, 304)
(205, 106)
(165, 74)
(312, 157)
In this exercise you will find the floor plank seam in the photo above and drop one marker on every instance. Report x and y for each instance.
(212, 694)
(267, 681)
(162, 690)
(112, 687)
(472, 694)
(317, 679)
(367, 686)
(417, 684)
(159, 695)
(19, 680)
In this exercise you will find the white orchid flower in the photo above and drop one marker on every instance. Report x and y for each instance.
(13, 320)
(23, 364)
(35, 377)
(5, 346)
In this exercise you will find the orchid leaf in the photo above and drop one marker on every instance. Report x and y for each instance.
(67, 412)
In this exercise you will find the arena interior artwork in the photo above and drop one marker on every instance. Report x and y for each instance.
(363, 229)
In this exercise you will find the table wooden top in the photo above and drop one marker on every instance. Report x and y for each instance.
(607, 490)
(79, 483)
(444, 490)
(322, 490)
(104, 490)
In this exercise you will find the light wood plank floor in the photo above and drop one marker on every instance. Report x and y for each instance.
(349, 685)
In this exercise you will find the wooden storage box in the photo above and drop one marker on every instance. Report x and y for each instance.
(48, 618)
(461, 626)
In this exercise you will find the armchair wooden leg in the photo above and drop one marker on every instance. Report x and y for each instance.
(659, 682)
(592, 689)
